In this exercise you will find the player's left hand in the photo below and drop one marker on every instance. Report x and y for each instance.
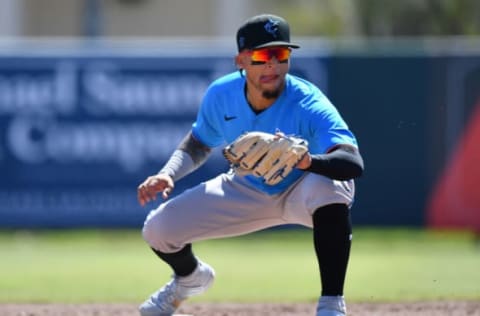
(305, 162)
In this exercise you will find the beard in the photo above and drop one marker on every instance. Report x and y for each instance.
(271, 94)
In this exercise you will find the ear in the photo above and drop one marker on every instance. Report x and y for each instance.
(240, 61)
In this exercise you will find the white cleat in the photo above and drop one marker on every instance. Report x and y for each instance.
(166, 301)
(331, 306)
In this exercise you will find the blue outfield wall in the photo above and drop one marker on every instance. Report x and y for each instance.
(78, 133)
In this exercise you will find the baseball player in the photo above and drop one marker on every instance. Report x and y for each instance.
(318, 192)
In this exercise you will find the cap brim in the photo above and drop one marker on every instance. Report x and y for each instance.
(277, 43)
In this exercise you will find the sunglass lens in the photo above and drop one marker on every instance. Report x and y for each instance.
(264, 55)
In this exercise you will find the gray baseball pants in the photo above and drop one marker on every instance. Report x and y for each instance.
(228, 206)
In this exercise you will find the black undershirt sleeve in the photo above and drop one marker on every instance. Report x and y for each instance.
(344, 162)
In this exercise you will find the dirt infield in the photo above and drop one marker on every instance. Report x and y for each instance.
(225, 309)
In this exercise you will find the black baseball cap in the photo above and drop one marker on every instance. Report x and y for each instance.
(264, 30)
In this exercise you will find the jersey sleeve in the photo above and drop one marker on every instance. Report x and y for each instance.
(328, 129)
(206, 128)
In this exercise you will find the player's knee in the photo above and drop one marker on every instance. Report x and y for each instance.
(155, 234)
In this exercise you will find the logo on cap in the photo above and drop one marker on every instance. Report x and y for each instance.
(271, 27)
(241, 41)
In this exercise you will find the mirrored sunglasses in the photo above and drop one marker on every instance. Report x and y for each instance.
(263, 55)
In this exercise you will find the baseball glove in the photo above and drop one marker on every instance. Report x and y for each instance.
(270, 156)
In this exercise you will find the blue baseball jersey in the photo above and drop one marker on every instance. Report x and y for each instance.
(301, 110)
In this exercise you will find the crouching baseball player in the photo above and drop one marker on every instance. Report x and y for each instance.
(293, 161)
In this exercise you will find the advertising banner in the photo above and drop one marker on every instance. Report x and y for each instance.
(79, 133)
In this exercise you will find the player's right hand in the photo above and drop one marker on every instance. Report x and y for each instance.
(148, 190)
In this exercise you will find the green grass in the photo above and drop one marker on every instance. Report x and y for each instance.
(279, 266)
(414, 265)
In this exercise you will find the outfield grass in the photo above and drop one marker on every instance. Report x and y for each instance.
(278, 266)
